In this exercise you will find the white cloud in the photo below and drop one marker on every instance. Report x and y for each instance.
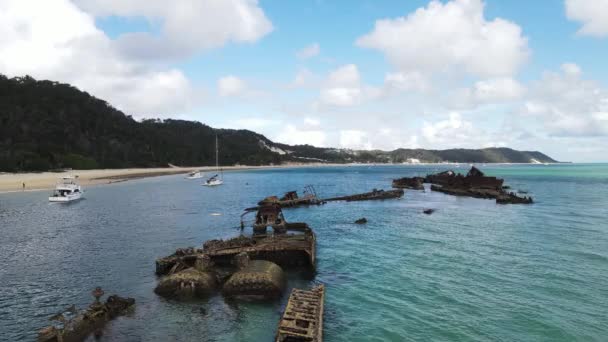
(343, 87)
(593, 14)
(568, 105)
(313, 122)
(294, 136)
(231, 86)
(450, 37)
(490, 91)
(456, 132)
(53, 39)
(355, 139)
(186, 26)
(310, 51)
(571, 69)
(303, 78)
(407, 81)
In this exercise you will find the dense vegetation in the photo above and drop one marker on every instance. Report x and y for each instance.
(48, 125)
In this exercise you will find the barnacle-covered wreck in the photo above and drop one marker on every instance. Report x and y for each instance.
(414, 183)
(73, 325)
(474, 184)
(242, 266)
(302, 319)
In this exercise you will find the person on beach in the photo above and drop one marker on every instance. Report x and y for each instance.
(23, 186)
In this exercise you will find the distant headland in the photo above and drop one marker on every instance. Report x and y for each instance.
(47, 125)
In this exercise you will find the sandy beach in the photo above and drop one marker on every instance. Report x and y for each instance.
(36, 181)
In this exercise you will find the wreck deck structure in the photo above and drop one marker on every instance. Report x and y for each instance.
(415, 183)
(220, 263)
(368, 196)
(302, 319)
(474, 184)
(291, 199)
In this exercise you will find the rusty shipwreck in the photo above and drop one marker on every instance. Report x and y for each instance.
(247, 265)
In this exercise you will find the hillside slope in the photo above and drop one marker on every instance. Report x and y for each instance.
(47, 125)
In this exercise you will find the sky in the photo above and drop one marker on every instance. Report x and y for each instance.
(368, 74)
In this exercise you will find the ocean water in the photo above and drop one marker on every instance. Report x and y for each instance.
(472, 271)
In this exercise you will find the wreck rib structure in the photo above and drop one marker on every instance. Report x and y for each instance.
(303, 316)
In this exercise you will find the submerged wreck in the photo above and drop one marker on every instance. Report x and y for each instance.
(414, 183)
(368, 196)
(77, 326)
(291, 199)
(302, 319)
(244, 266)
(474, 184)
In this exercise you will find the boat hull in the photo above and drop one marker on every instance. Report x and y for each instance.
(65, 199)
(213, 183)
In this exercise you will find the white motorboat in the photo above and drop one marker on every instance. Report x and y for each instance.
(195, 175)
(216, 179)
(66, 190)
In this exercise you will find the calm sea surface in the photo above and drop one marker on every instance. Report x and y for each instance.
(472, 271)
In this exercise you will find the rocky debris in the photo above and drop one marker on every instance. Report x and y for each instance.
(428, 211)
(372, 195)
(76, 326)
(302, 319)
(256, 279)
(474, 184)
(415, 183)
(362, 220)
(188, 283)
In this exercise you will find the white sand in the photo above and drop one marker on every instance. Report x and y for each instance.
(13, 182)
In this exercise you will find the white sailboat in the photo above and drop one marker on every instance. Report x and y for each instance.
(66, 190)
(216, 179)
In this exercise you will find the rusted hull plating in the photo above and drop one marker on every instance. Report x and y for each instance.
(86, 322)
(302, 319)
(368, 196)
(286, 250)
(415, 183)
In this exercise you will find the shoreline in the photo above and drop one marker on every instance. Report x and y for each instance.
(41, 181)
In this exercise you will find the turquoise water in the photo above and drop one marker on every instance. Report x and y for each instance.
(472, 271)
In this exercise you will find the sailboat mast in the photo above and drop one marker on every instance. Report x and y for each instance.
(217, 160)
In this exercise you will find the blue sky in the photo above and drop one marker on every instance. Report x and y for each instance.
(351, 74)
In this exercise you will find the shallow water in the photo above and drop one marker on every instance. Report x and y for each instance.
(472, 271)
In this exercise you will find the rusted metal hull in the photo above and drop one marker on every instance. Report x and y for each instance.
(474, 184)
(369, 196)
(302, 319)
(415, 183)
(86, 322)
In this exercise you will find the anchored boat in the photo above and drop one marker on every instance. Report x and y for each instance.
(66, 190)
(216, 179)
(196, 174)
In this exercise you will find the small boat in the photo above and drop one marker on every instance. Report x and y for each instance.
(66, 190)
(213, 181)
(195, 175)
(216, 179)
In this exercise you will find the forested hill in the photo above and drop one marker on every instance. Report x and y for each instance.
(48, 125)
